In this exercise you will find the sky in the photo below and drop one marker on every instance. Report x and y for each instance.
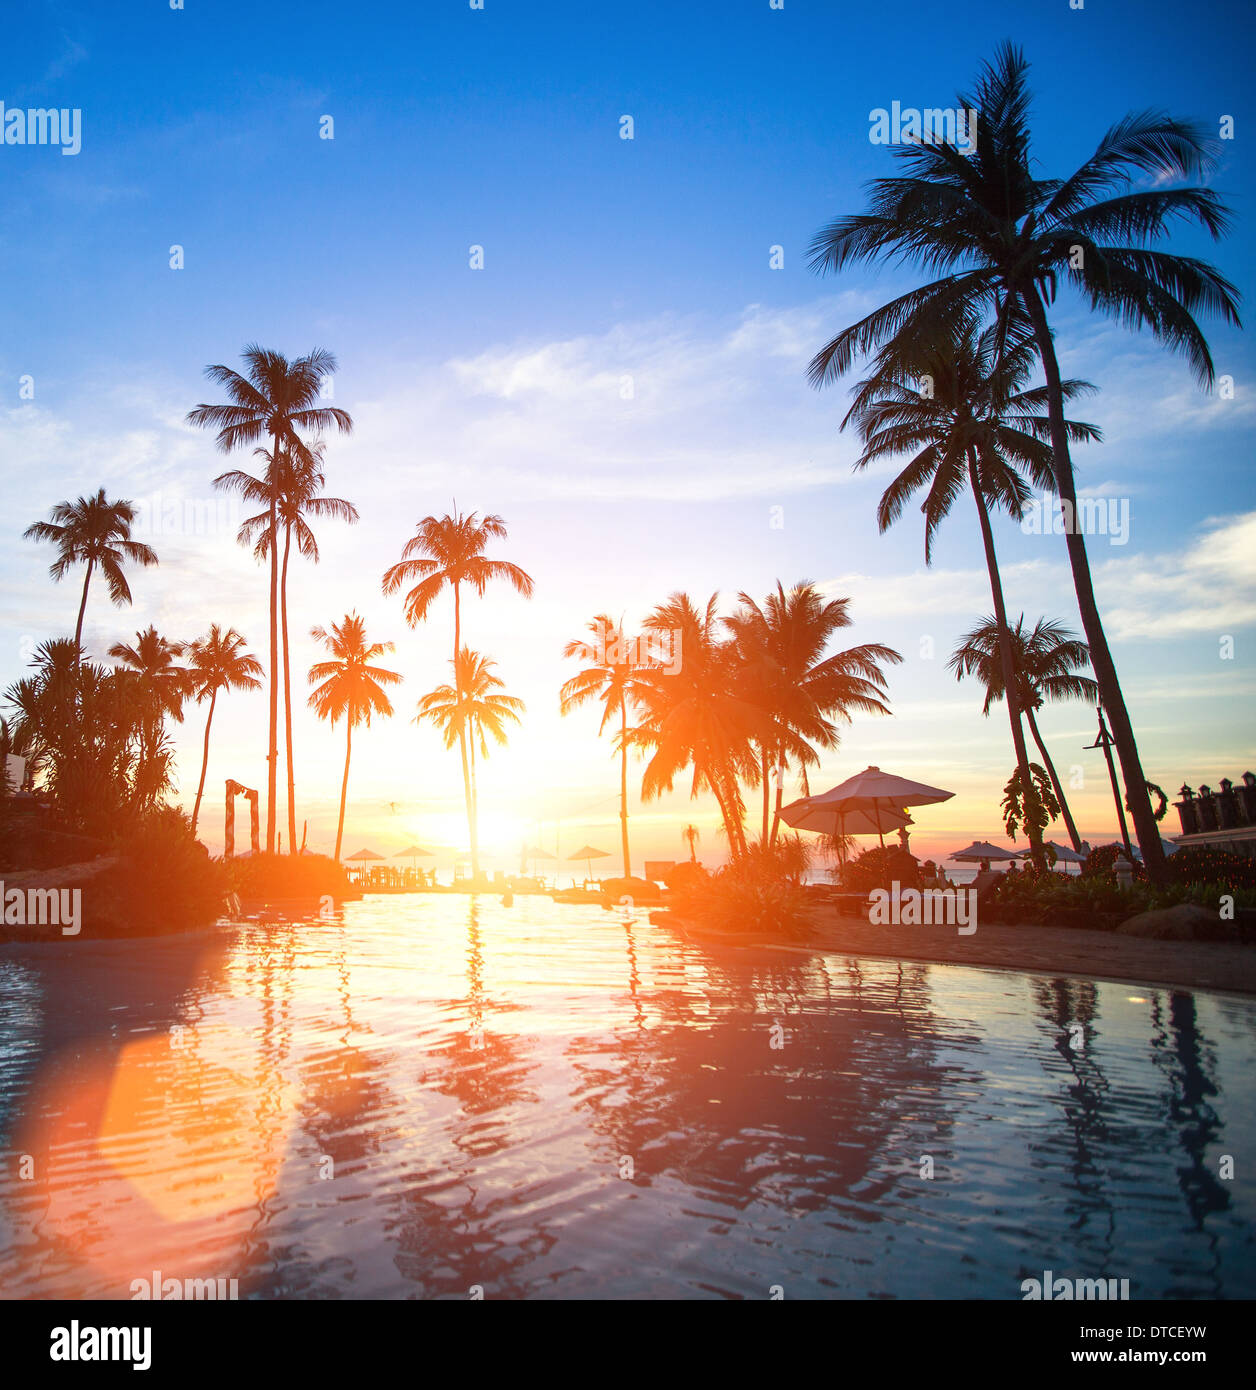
(623, 380)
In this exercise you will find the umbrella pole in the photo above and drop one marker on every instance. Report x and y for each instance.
(876, 801)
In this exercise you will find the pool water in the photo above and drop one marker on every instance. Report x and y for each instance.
(435, 1096)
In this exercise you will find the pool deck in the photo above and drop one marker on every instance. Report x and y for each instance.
(1036, 950)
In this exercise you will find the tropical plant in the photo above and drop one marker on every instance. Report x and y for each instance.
(1047, 663)
(299, 484)
(1001, 239)
(217, 662)
(962, 410)
(1032, 813)
(274, 398)
(692, 835)
(611, 677)
(449, 551)
(349, 685)
(781, 647)
(97, 533)
(695, 716)
(466, 711)
(157, 688)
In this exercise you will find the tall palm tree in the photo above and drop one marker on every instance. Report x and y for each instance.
(95, 532)
(1047, 664)
(449, 550)
(692, 835)
(975, 428)
(782, 648)
(467, 710)
(274, 399)
(217, 662)
(299, 484)
(697, 717)
(1002, 239)
(158, 687)
(351, 686)
(611, 678)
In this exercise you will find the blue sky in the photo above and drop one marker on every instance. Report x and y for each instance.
(605, 259)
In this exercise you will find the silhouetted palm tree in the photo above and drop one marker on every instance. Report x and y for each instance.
(299, 483)
(275, 398)
(1047, 663)
(975, 427)
(449, 550)
(465, 711)
(1002, 239)
(351, 687)
(696, 717)
(782, 647)
(94, 532)
(610, 677)
(217, 662)
(158, 688)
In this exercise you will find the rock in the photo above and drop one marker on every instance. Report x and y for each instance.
(1184, 922)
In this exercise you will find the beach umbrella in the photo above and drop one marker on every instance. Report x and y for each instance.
(361, 856)
(536, 852)
(587, 853)
(1065, 854)
(983, 849)
(806, 814)
(413, 853)
(880, 793)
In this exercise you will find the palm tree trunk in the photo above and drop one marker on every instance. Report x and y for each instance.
(462, 745)
(623, 782)
(344, 784)
(767, 792)
(1010, 682)
(272, 745)
(200, 789)
(78, 627)
(780, 790)
(1055, 781)
(1136, 796)
(287, 691)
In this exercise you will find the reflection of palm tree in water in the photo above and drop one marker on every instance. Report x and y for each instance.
(1186, 1066)
(1068, 1011)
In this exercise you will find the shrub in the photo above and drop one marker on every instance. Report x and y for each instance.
(880, 868)
(164, 881)
(761, 893)
(288, 876)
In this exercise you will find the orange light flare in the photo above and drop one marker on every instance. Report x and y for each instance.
(157, 1152)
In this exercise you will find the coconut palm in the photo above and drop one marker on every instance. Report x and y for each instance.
(217, 662)
(1047, 664)
(158, 688)
(782, 647)
(466, 711)
(696, 716)
(350, 687)
(692, 835)
(611, 678)
(975, 427)
(1001, 240)
(299, 484)
(273, 399)
(95, 532)
(449, 551)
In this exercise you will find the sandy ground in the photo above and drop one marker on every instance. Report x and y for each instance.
(1038, 950)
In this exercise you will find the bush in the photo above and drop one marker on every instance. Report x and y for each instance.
(269, 876)
(164, 881)
(761, 893)
(881, 868)
(685, 875)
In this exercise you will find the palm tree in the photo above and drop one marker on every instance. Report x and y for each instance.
(692, 835)
(217, 662)
(351, 686)
(610, 677)
(1047, 663)
(976, 427)
(782, 645)
(95, 532)
(275, 398)
(465, 711)
(697, 717)
(299, 485)
(449, 550)
(158, 688)
(1002, 239)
